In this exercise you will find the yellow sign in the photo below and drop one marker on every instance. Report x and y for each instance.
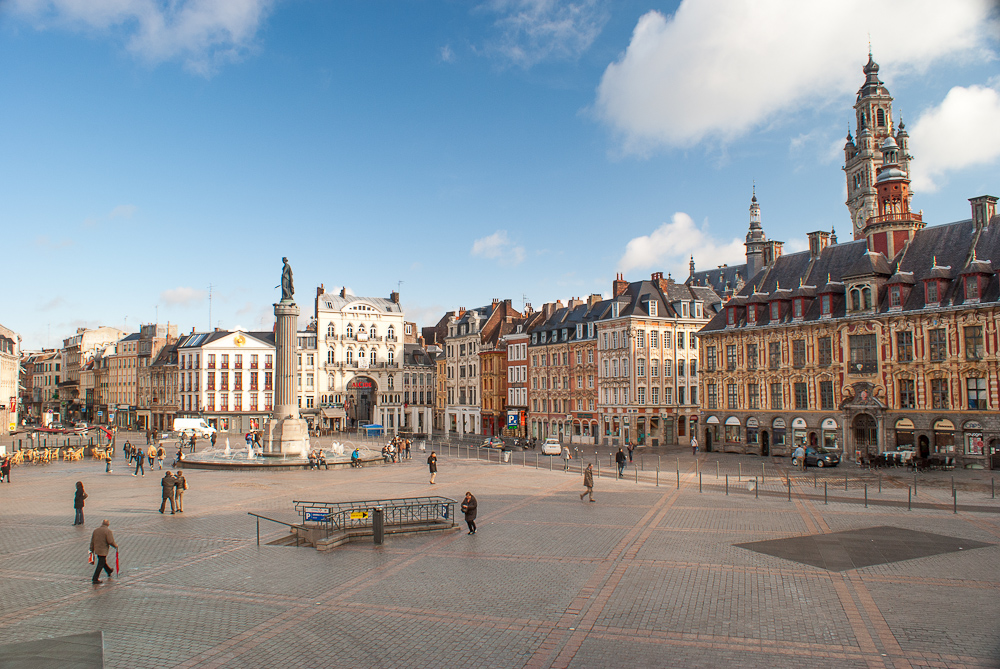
(359, 515)
(13, 426)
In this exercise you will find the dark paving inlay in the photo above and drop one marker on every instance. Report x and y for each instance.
(77, 651)
(853, 549)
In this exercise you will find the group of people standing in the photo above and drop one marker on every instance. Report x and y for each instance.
(397, 450)
(154, 453)
(173, 486)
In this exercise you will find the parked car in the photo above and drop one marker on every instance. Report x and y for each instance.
(493, 442)
(821, 457)
(551, 446)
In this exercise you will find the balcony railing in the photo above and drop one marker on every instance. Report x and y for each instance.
(888, 218)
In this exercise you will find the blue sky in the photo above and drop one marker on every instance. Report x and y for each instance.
(470, 150)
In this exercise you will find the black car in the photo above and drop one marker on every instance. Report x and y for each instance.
(821, 457)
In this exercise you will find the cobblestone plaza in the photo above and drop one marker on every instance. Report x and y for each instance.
(648, 576)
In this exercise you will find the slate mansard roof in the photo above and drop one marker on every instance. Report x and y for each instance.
(945, 252)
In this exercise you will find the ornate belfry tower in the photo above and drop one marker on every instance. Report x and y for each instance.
(873, 112)
(761, 251)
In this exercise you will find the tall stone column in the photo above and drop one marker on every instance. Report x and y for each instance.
(286, 433)
(285, 401)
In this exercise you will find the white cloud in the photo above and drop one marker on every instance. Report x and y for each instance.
(201, 33)
(45, 242)
(123, 211)
(717, 68)
(183, 295)
(963, 131)
(499, 247)
(446, 54)
(671, 246)
(535, 30)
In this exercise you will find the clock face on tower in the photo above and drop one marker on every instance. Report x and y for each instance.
(860, 221)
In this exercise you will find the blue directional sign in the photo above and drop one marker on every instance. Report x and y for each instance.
(512, 420)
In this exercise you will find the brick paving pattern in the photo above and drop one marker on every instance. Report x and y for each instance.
(646, 577)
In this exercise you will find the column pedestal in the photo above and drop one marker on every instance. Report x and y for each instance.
(286, 433)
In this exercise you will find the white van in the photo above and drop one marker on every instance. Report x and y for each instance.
(196, 426)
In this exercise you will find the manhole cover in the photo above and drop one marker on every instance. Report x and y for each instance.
(854, 549)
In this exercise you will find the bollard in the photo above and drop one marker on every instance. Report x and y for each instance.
(815, 480)
(953, 484)
(697, 467)
(909, 498)
(657, 476)
(641, 464)
(954, 496)
(880, 483)
(678, 479)
(825, 498)
(636, 474)
(993, 488)
(789, 479)
(739, 476)
(914, 484)
(727, 484)
(845, 482)
(866, 495)
(762, 473)
(699, 481)
(598, 467)
(378, 525)
(756, 488)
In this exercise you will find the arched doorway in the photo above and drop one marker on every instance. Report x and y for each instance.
(865, 435)
(708, 440)
(924, 445)
(765, 443)
(360, 405)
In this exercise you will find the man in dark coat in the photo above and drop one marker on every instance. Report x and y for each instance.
(168, 484)
(432, 464)
(469, 506)
(100, 542)
(620, 459)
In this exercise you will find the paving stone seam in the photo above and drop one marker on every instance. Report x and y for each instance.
(339, 593)
(565, 643)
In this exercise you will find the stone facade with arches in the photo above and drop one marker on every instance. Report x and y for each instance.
(360, 355)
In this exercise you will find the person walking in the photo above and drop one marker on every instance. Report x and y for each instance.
(5, 469)
(631, 447)
(78, 503)
(469, 507)
(151, 454)
(588, 483)
(565, 458)
(620, 459)
(694, 445)
(432, 464)
(180, 485)
(407, 449)
(168, 484)
(799, 457)
(100, 545)
(139, 466)
(107, 462)
(161, 455)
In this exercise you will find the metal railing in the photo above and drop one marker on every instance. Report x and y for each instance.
(340, 516)
(294, 528)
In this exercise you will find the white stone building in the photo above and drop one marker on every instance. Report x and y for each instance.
(359, 351)
(227, 378)
(10, 373)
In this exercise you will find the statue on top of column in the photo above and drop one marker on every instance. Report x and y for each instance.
(287, 285)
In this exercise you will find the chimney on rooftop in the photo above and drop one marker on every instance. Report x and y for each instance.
(818, 241)
(343, 292)
(319, 290)
(394, 297)
(661, 283)
(593, 299)
(984, 208)
(619, 286)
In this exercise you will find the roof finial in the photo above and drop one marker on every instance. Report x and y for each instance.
(973, 254)
(828, 277)
(777, 285)
(935, 262)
